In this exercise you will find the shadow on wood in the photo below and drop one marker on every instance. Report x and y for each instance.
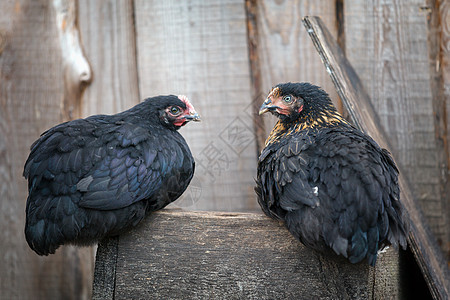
(211, 255)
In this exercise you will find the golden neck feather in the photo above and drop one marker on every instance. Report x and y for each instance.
(324, 120)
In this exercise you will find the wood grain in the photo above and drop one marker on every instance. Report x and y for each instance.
(437, 69)
(76, 70)
(251, 9)
(107, 32)
(32, 91)
(199, 49)
(213, 255)
(105, 269)
(387, 45)
(421, 241)
(442, 65)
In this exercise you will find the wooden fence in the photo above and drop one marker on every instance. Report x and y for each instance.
(65, 59)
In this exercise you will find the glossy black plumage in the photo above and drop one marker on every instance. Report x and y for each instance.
(334, 187)
(96, 177)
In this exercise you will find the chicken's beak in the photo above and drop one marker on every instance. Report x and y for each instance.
(193, 117)
(267, 106)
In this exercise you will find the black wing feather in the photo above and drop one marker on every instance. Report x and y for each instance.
(335, 188)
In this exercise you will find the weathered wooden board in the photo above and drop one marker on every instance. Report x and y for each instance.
(33, 85)
(444, 13)
(105, 269)
(107, 32)
(351, 91)
(285, 52)
(199, 49)
(388, 46)
(211, 255)
(444, 65)
(443, 69)
(254, 52)
(438, 49)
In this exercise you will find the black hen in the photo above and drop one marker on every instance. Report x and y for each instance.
(96, 177)
(332, 184)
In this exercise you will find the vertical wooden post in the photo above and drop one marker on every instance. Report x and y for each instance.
(108, 36)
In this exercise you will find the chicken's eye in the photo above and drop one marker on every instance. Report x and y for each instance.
(175, 110)
(287, 99)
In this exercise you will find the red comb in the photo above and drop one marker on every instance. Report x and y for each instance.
(186, 101)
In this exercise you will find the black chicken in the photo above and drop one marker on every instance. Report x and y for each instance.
(96, 177)
(333, 186)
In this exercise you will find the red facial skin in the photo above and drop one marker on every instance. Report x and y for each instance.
(283, 107)
(180, 118)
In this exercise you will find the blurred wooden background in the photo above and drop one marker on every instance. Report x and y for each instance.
(65, 59)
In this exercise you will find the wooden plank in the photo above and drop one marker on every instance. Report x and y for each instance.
(199, 49)
(177, 254)
(438, 59)
(284, 49)
(76, 70)
(107, 31)
(251, 8)
(351, 91)
(443, 68)
(444, 64)
(387, 44)
(32, 91)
